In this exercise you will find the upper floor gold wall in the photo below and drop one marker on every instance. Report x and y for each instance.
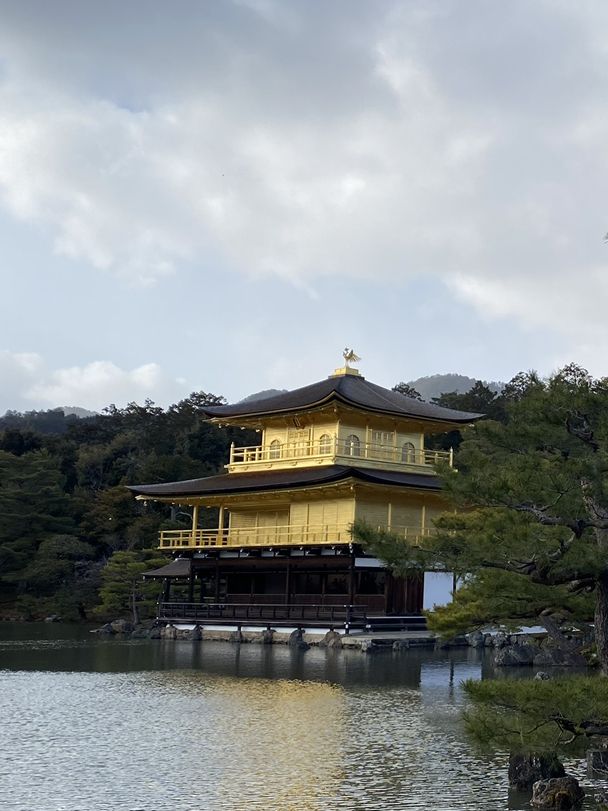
(337, 436)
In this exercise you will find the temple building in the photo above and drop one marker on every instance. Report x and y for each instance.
(279, 550)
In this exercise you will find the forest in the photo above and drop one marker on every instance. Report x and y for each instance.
(70, 529)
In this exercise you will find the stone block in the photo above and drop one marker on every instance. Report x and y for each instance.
(525, 769)
(515, 656)
(332, 639)
(560, 793)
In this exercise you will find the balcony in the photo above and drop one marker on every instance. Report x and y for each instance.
(274, 536)
(263, 615)
(337, 451)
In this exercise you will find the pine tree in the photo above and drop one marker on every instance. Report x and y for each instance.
(123, 589)
(531, 496)
(35, 511)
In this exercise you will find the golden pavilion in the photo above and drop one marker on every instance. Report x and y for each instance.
(281, 552)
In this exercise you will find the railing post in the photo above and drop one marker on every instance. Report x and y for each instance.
(451, 457)
(231, 452)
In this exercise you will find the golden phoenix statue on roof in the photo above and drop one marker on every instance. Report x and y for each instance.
(350, 356)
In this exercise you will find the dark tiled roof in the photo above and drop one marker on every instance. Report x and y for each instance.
(283, 479)
(353, 390)
(180, 567)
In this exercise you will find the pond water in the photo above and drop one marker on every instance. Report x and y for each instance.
(90, 724)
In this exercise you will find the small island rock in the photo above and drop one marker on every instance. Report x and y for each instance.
(527, 769)
(515, 655)
(561, 793)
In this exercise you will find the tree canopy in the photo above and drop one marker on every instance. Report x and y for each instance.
(65, 507)
(531, 499)
(555, 715)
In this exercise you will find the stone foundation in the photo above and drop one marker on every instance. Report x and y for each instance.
(302, 640)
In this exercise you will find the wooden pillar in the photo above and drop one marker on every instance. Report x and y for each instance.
(217, 581)
(288, 584)
(220, 523)
(166, 589)
(194, 524)
(351, 580)
(191, 585)
(201, 593)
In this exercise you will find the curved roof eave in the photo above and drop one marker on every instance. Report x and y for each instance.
(243, 483)
(358, 393)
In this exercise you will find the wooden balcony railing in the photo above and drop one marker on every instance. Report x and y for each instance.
(333, 447)
(288, 535)
(276, 614)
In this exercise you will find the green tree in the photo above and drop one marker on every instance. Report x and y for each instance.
(123, 589)
(35, 515)
(407, 390)
(531, 495)
(479, 399)
(563, 715)
(503, 599)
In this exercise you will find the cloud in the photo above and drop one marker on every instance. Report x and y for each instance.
(17, 371)
(28, 383)
(354, 140)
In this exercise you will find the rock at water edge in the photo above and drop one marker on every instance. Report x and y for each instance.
(515, 655)
(332, 639)
(527, 769)
(561, 793)
(122, 626)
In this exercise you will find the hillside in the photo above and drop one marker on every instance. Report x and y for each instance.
(435, 385)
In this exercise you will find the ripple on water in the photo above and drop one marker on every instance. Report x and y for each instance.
(293, 732)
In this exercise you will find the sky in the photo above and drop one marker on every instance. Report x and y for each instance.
(221, 196)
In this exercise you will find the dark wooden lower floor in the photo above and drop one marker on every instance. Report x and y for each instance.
(345, 578)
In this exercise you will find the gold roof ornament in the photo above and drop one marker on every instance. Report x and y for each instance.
(350, 356)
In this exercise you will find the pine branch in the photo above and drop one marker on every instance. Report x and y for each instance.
(576, 526)
(578, 426)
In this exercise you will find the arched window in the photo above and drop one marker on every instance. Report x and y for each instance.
(352, 445)
(324, 443)
(275, 449)
(408, 453)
